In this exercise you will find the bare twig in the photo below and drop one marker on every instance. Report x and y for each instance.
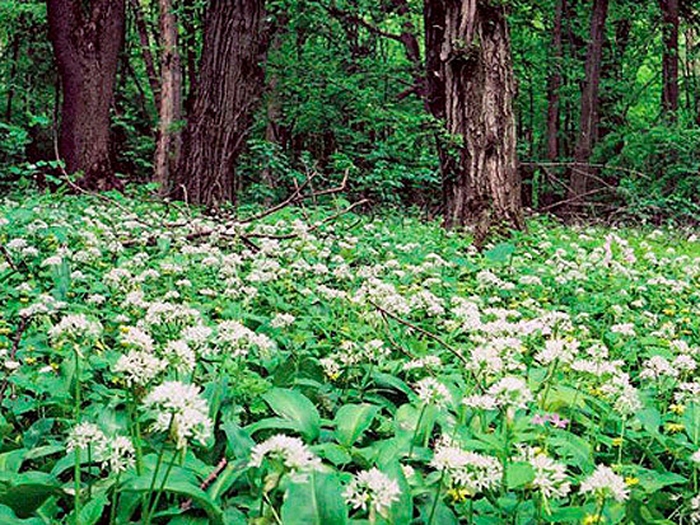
(211, 478)
(312, 228)
(8, 258)
(422, 331)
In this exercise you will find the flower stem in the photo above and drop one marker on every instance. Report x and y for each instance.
(415, 432)
(77, 485)
(147, 501)
(437, 498)
(154, 507)
(115, 499)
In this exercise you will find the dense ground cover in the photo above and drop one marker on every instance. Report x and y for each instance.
(158, 367)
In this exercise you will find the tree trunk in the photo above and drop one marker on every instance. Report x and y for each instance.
(227, 90)
(86, 41)
(273, 127)
(145, 41)
(554, 84)
(170, 110)
(578, 178)
(479, 87)
(434, 94)
(670, 92)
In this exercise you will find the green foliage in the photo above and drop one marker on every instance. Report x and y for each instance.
(375, 369)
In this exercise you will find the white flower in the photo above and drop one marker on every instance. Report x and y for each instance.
(432, 392)
(292, 451)
(282, 320)
(511, 391)
(180, 409)
(695, 458)
(120, 454)
(374, 488)
(550, 477)
(605, 483)
(484, 402)
(180, 355)
(470, 471)
(76, 326)
(135, 337)
(86, 435)
(139, 367)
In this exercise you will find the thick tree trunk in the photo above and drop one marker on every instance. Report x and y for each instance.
(170, 111)
(479, 87)
(86, 41)
(578, 178)
(554, 84)
(670, 92)
(227, 90)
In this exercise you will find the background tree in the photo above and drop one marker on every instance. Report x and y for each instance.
(669, 91)
(168, 144)
(87, 37)
(226, 93)
(580, 172)
(479, 87)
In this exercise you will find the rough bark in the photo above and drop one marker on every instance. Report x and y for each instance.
(170, 111)
(227, 91)
(579, 175)
(670, 91)
(554, 84)
(87, 37)
(479, 87)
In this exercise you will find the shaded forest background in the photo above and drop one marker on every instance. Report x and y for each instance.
(606, 100)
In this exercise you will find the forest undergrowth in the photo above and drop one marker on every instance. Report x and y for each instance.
(159, 366)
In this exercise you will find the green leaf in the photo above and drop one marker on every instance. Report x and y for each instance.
(25, 492)
(319, 501)
(519, 474)
(8, 516)
(182, 488)
(297, 410)
(351, 421)
(93, 509)
(500, 253)
(652, 480)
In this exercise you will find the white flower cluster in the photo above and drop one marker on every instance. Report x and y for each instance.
(467, 470)
(604, 483)
(76, 326)
(372, 488)
(116, 453)
(550, 476)
(179, 409)
(291, 451)
(432, 392)
(236, 339)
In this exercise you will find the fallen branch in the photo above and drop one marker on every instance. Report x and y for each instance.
(211, 478)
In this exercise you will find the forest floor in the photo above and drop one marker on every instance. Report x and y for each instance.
(158, 366)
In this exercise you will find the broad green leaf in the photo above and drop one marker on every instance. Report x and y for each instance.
(295, 408)
(500, 253)
(182, 488)
(318, 501)
(351, 421)
(8, 516)
(519, 474)
(25, 492)
(93, 509)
